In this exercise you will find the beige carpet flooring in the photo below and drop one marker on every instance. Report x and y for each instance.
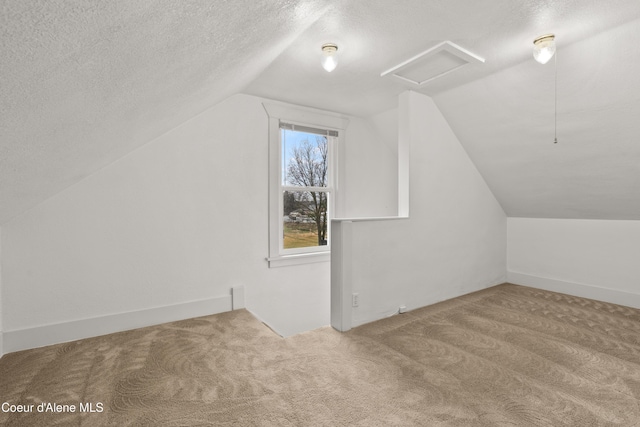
(505, 356)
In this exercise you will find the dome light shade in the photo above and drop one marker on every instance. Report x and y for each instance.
(543, 48)
(329, 59)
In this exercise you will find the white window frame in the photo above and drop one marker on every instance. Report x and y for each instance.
(308, 117)
(329, 189)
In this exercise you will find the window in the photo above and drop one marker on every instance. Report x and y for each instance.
(302, 183)
(306, 187)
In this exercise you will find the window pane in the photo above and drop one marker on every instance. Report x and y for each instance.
(305, 219)
(304, 159)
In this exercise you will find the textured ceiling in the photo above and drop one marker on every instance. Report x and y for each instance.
(82, 83)
(593, 172)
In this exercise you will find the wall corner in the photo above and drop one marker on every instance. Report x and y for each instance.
(404, 156)
(341, 271)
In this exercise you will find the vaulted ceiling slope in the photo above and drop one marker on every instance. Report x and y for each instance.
(506, 123)
(82, 83)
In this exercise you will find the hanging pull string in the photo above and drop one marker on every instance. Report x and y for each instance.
(555, 101)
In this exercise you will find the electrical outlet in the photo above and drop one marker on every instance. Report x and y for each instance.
(355, 300)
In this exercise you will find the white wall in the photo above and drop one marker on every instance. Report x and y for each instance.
(454, 241)
(597, 259)
(371, 175)
(1, 329)
(166, 232)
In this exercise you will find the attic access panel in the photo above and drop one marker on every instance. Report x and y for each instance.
(433, 63)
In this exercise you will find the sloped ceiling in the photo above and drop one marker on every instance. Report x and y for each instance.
(593, 172)
(82, 83)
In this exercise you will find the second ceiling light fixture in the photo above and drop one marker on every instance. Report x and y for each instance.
(544, 48)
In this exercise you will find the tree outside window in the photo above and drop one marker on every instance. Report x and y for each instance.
(305, 182)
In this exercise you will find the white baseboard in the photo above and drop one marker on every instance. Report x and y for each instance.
(576, 289)
(40, 336)
(427, 300)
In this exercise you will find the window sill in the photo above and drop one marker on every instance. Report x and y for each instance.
(298, 259)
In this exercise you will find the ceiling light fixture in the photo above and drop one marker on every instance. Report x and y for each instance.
(329, 59)
(544, 47)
